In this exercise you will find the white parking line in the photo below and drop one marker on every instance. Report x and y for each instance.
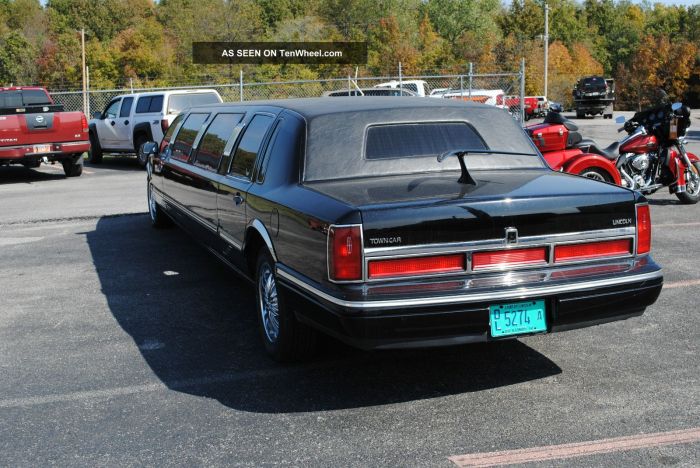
(579, 449)
(674, 225)
(681, 284)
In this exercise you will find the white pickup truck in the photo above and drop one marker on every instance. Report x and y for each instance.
(129, 120)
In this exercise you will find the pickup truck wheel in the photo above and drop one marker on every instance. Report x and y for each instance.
(95, 152)
(159, 219)
(692, 188)
(141, 158)
(580, 115)
(285, 338)
(72, 168)
(32, 164)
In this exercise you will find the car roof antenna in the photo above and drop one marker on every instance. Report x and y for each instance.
(465, 178)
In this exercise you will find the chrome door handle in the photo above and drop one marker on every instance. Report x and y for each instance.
(238, 199)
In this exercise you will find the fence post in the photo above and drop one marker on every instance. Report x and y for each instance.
(400, 81)
(349, 86)
(522, 91)
(240, 83)
(471, 74)
(461, 86)
(87, 91)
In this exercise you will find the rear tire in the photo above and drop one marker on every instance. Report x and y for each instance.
(596, 174)
(95, 152)
(138, 141)
(692, 190)
(73, 167)
(580, 115)
(32, 164)
(285, 338)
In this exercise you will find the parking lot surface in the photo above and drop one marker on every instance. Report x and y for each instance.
(124, 345)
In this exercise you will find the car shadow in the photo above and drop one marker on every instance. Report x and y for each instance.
(194, 323)
(17, 174)
(117, 162)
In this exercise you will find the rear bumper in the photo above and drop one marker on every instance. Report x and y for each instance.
(575, 297)
(26, 153)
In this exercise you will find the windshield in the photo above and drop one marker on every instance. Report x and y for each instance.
(24, 98)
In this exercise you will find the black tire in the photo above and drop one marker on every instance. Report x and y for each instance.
(608, 116)
(290, 340)
(580, 115)
(32, 164)
(692, 191)
(596, 174)
(71, 168)
(159, 218)
(139, 140)
(95, 152)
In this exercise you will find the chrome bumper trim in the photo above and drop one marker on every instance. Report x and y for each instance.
(499, 295)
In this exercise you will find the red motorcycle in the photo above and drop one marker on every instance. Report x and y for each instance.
(652, 156)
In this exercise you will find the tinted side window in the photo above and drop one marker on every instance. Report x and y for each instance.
(186, 136)
(172, 127)
(212, 145)
(156, 104)
(247, 151)
(142, 104)
(111, 111)
(264, 161)
(126, 107)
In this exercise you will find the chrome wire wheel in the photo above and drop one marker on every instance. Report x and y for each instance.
(268, 302)
(593, 175)
(152, 208)
(692, 185)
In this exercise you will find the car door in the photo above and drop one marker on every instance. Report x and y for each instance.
(122, 126)
(179, 177)
(214, 143)
(233, 189)
(106, 125)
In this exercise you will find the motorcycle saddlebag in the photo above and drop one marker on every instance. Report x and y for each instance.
(548, 137)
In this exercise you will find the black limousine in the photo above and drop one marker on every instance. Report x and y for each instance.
(396, 223)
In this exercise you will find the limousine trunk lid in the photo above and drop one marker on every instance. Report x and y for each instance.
(433, 208)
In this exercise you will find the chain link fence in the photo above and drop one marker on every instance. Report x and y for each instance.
(504, 90)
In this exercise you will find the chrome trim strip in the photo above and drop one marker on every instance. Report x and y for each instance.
(262, 230)
(499, 295)
(499, 243)
(192, 214)
(227, 238)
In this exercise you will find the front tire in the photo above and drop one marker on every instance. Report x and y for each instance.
(159, 219)
(692, 189)
(285, 338)
(95, 152)
(141, 158)
(596, 174)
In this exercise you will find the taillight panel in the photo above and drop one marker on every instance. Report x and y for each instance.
(592, 250)
(416, 266)
(643, 229)
(345, 258)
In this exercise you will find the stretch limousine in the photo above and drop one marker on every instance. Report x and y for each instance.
(395, 223)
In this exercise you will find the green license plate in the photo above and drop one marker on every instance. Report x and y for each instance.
(517, 318)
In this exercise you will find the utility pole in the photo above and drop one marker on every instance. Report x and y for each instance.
(546, 47)
(82, 46)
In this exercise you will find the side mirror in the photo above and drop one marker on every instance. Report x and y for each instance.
(619, 119)
(676, 106)
(150, 148)
(97, 115)
(555, 107)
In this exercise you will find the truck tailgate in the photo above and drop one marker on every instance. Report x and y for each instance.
(42, 127)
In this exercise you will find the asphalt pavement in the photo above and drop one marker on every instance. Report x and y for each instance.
(121, 345)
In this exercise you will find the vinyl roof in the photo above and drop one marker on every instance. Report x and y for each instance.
(313, 107)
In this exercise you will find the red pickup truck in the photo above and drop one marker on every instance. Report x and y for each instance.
(34, 129)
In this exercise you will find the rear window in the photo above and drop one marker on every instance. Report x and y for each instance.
(147, 104)
(186, 136)
(24, 98)
(420, 140)
(179, 102)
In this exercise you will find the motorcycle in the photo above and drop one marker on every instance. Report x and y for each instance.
(652, 156)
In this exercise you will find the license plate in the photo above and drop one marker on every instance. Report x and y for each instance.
(42, 149)
(517, 318)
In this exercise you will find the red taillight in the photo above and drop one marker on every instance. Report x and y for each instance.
(345, 253)
(499, 100)
(503, 258)
(417, 266)
(164, 124)
(590, 250)
(643, 229)
(84, 123)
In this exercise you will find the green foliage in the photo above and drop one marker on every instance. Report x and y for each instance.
(149, 42)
